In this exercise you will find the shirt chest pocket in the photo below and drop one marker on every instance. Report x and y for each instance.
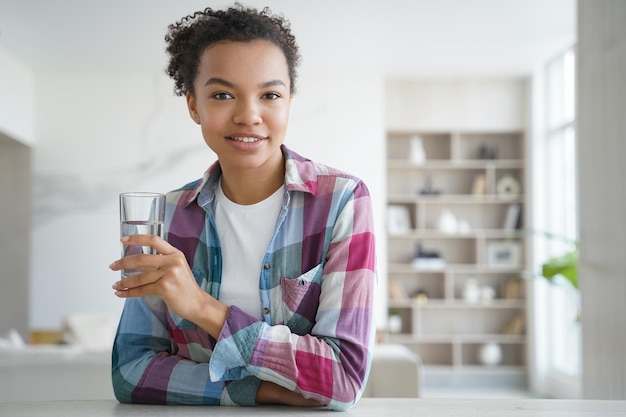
(300, 300)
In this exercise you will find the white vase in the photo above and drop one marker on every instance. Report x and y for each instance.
(417, 153)
(447, 222)
(471, 291)
(490, 354)
(395, 324)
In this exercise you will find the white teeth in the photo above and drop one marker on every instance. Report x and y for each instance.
(246, 140)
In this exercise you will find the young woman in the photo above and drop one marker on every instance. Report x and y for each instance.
(263, 289)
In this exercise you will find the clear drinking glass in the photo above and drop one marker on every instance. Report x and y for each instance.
(140, 213)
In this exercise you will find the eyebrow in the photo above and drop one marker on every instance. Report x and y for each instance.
(221, 81)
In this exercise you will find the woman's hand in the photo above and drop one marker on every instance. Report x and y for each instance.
(270, 393)
(168, 276)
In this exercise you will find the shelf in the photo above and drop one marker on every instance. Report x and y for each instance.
(484, 131)
(466, 269)
(458, 339)
(451, 199)
(457, 304)
(473, 234)
(406, 165)
(473, 369)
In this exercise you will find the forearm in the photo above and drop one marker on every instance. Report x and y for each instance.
(148, 368)
(270, 393)
(165, 379)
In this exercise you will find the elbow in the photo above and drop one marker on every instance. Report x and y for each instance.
(343, 405)
(351, 395)
(122, 389)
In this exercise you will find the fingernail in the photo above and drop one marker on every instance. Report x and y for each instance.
(125, 238)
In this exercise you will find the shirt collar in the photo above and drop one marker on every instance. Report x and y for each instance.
(300, 175)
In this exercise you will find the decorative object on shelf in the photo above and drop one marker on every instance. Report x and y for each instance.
(396, 290)
(512, 289)
(394, 323)
(479, 186)
(487, 151)
(490, 354)
(508, 187)
(428, 189)
(417, 154)
(504, 253)
(487, 294)
(421, 296)
(471, 291)
(463, 226)
(515, 326)
(512, 219)
(398, 219)
(447, 222)
(427, 260)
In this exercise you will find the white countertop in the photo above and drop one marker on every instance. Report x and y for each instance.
(41, 373)
(374, 407)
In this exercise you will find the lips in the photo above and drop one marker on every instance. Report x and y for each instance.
(244, 139)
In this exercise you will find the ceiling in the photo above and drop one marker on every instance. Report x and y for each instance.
(393, 37)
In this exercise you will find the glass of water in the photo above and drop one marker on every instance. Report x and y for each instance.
(140, 213)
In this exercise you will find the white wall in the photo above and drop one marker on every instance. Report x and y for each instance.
(464, 104)
(17, 127)
(99, 135)
(17, 119)
(601, 148)
(102, 134)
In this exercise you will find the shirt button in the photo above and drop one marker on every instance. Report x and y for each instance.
(266, 266)
(266, 310)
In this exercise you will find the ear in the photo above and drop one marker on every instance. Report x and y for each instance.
(191, 105)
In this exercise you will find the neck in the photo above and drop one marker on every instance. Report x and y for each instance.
(248, 187)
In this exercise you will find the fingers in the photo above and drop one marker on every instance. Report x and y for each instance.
(154, 241)
(138, 285)
(134, 258)
(152, 268)
(139, 280)
(141, 262)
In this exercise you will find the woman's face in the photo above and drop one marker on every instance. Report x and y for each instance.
(241, 101)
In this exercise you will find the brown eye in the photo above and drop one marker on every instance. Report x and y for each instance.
(271, 96)
(222, 96)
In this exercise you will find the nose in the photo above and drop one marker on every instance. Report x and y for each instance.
(247, 112)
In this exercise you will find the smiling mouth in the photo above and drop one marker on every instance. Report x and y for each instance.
(244, 139)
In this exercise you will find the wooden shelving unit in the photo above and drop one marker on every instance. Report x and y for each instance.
(439, 320)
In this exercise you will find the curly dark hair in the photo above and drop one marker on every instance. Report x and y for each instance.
(188, 38)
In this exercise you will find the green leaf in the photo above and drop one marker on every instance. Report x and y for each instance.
(566, 265)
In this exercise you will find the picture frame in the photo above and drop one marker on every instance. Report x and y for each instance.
(398, 219)
(504, 253)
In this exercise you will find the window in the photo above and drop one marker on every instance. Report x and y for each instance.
(560, 212)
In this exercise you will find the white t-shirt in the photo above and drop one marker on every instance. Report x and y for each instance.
(245, 233)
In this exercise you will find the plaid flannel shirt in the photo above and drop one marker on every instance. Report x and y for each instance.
(316, 286)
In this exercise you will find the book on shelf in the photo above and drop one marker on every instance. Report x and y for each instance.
(512, 219)
(512, 289)
(515, 326)
(397, 291)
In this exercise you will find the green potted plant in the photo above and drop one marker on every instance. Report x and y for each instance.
(565, 265)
